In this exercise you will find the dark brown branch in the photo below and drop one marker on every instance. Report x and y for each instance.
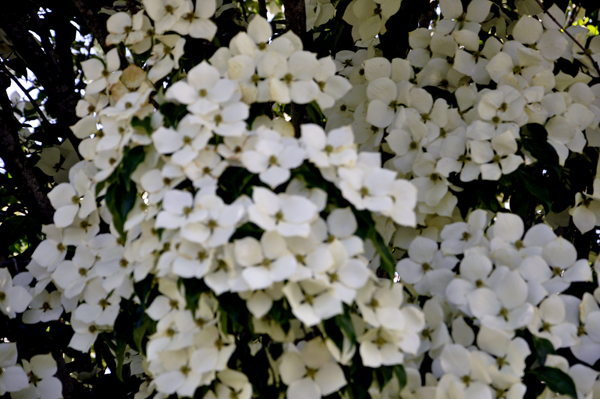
(44, 121)
(96, 25)
(15, 162)
(15, 265)
(295, 17)
(58, 83)
(68, 390)
(585, 51)
(427, 17)
(262, 8)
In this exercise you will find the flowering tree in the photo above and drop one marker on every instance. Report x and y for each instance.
(300, 199)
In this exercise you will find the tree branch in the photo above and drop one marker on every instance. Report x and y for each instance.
(295, 17)
(96, 25)
(585, 51)
(262, 8)
(58, 83)
(45, 122)
(33, 193)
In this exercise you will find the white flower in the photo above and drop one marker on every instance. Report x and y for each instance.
(272, 157)
(460, 236)
(424, 257)
(124, 28)
(504, 104)
(290, 215)
(264, 262)
(294, 83)
(165, 13)
(219, 224)
(586, 212)
(465, 372)
(334, 148)
(13, 377)
(197, 24)
(367, 185)
(73, 275)
(101, 75)
(312, 301)
(13, 299)
(378, 348)
(166, 52)
(44, 307)
(51, 251)
(172, 299)
(213, 349)
(310, 373)
(203, 91)
(71, 201)
(43, 384)
(550, 323)
(231, 384)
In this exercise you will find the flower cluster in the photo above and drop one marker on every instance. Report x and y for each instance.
(226, 238)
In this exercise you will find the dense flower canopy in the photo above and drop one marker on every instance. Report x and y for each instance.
(251, 213)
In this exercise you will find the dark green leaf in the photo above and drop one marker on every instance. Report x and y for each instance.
(201, 391)
(276, 350)
(142, 124)
(557, 380)
(366, 230)
(131, 160)
(311, 176)
(100, 186)
(120, 200)
(18, 227)
(534, 139)
(388, 262)
(534, 186)
(334, 333)
(120, 359)
(140, 332)
(400, 375)
(314, 111)
(173, 113)
(543, 348)
(344, 322)
(384, 374)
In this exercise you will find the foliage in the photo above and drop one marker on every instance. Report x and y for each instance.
(350, 199)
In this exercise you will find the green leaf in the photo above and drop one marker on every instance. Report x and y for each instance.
(344, 322)
(534, 187)
(534, 139)
(400, 376)
(388, 263)
(556, 380)
(17, 227)
(120, 200)
(100, 186)
(311, 176)
(314, 111)
(142, 124)
(173, 113)
(131, 160)
(139, 333)
(384, 374)
(543, 348)
(334, 333)
(120, 360)
(202, 391)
